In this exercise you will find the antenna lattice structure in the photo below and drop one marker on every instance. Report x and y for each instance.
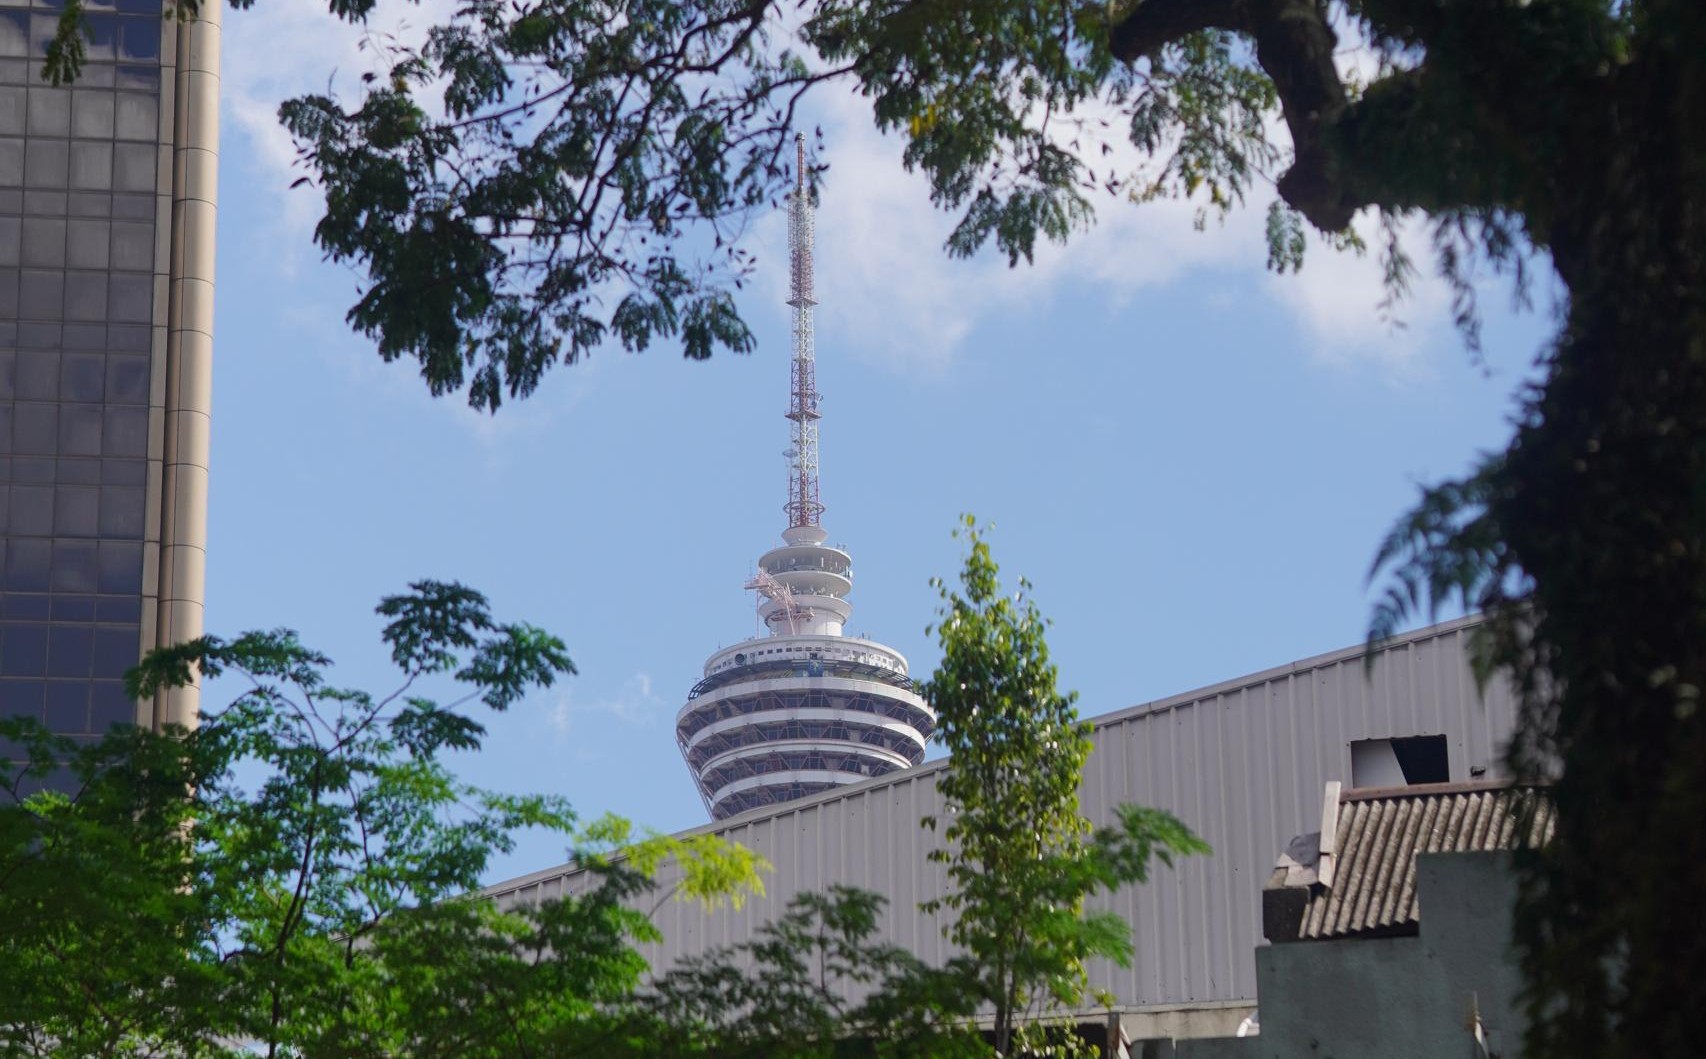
(802, 507)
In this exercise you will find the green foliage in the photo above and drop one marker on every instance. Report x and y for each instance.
(299, 874)
(1021, 859)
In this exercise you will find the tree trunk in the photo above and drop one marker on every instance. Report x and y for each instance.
(1604, 506)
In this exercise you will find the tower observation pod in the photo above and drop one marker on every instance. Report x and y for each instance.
(803, 708)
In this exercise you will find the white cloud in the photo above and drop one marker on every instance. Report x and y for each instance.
(634, 703)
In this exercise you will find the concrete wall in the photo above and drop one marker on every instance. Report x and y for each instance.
(1400, 998)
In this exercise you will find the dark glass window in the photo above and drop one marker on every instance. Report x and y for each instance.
(23, 650)
(77, 472)
(91, 166)
(29, 514)
(120, 568)
(23, 606)
(14, 33)
(82, 376)
(133, 246)
(40, 335)
(68, 705)
(139, 40)
(133, 166)
(31, 469)
(126, 432)
(49, 202)
(37, 377)
(69, 650)
(136, 116)
(127, 379)
(121, 609)
(21, 696)
(85, 295)
(80, 430)
(11, 162)
(35, 429)
(124, 472)
(84, 204)
(46, 163)
(85, 338)
(43, 242)
(92, 114)
(108, 704)
(122, 511)
(49, 112)
(129, 338)
(134, 207)
(115, 651)
(73, 608)
(88, 244)
(143, 78)
(41, 296)
(74, 567)
(131, 297)
(103, 38)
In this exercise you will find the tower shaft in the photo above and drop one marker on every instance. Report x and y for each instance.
(803, 506)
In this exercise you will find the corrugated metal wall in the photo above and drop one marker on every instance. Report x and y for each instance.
(1244, 763)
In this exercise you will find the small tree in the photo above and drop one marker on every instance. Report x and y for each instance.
(1021, 858)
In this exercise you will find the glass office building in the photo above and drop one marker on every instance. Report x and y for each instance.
(107, 192)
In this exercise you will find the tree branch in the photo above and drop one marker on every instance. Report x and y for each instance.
(1410, 141)
(1142, 29)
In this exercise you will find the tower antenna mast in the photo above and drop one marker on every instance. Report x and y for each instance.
(802, 507)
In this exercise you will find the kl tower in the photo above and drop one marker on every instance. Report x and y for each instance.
(803, 708)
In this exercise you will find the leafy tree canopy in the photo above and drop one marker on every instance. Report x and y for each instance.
(533, 181)
(299, 875)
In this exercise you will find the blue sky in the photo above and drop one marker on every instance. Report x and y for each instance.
(1192, 459)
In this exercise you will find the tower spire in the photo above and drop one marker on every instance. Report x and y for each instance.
(802, 507)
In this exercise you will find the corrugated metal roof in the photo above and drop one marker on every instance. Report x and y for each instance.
(1242, 762)
(1367, 884)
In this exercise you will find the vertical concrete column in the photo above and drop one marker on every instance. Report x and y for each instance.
(189, 349)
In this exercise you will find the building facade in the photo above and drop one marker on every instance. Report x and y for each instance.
(107, 205)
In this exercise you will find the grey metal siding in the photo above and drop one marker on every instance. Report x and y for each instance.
(1243, 763)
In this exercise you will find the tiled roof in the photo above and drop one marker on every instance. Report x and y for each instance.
(1358, 876)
